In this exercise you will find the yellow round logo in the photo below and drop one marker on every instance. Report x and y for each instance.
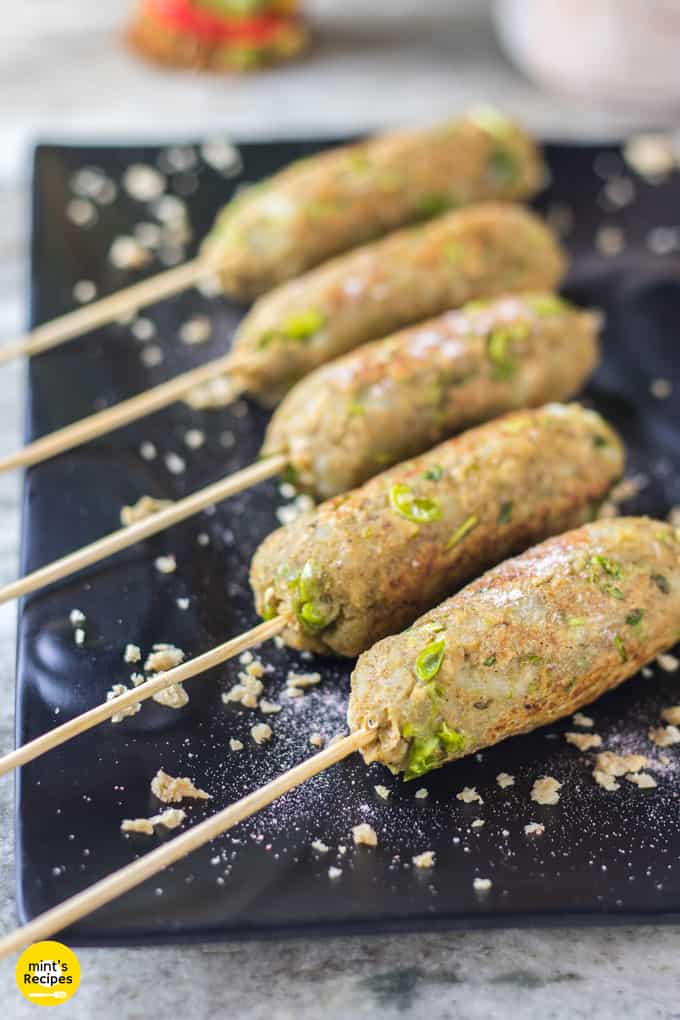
(48, 973)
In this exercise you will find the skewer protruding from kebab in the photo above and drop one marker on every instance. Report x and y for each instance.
(388, 401)
(531, 641)
(327, 204)
(424, 528)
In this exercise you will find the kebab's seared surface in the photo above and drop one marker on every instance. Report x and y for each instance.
(367, 563)
(325, 204)
(480, 252)
(530, 641)
(395, 398)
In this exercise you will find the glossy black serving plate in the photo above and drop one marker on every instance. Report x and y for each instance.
(604, 856)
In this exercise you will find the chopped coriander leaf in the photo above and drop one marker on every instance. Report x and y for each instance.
(505, 513)
(433, 204)
(634, 618)
(502, 166)
(434, 474)
(491, 661)
(662, 583)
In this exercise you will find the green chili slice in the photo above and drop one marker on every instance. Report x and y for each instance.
(414, 508)
(303, 325)
(621, 648)
(498, 350)
(429, 661)
(545, 305)
(460, 533)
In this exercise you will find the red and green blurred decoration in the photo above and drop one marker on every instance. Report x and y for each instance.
(219, 35)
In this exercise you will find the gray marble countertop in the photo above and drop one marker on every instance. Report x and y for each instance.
(64, 77)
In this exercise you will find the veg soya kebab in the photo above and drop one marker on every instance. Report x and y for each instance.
(325, 204)
(390, 400)
(424, 527)
(531, 641)
(479, 252)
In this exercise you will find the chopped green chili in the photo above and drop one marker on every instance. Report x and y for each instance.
(429, 661)
(634, 618)
(427, 753)
(621, 648)
(433, 204)
(498, 350)
(303, 325)
(412, 507)
(502, 166)
(460, 533)
(547, 304)
(491, 661)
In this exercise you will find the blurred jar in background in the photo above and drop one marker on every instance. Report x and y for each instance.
(623, 52)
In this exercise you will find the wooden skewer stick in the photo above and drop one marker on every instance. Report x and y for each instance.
(115, 417)
(132, 875)
(159, 521)
(74, 727)
(99, 313)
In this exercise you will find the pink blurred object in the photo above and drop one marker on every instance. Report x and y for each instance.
(625, 52)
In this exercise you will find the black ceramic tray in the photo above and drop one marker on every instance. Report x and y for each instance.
(610, 856)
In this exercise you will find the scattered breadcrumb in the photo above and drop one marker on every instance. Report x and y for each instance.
(143, 182)
(269, 707)
(81, 212)
(534, 829)
(171, 790)
(137, 678)
(79, 636)
(668, 663)
(320, 847)
(152, 356)
(173, 696)
(382, 791)
(316, 739)
(170, 819)
(609, 240)
(334, 872)
(116, 691)
(482, 884)
(661, 389)
(76, 617)
(651, 155)
(504, 779)
(422, 793)
(84, 291)
(302, 680)
(147, 451)
(261, 733)
(132, 653)
(127, 253)
(468, 795)
(196, 331)
(163, 657)
(194, 439)
(546, 790)
(579, 719)
(424, 860)
(618, 764)
(165, 564)
(365, 835)
(642, 779)
(175, 464)
(605, 780)
(664, 736)
(235, 745)
(671, 715)
(584, 741)
(146, 506)
(478, 823)
(254, 668)
(245, 693)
